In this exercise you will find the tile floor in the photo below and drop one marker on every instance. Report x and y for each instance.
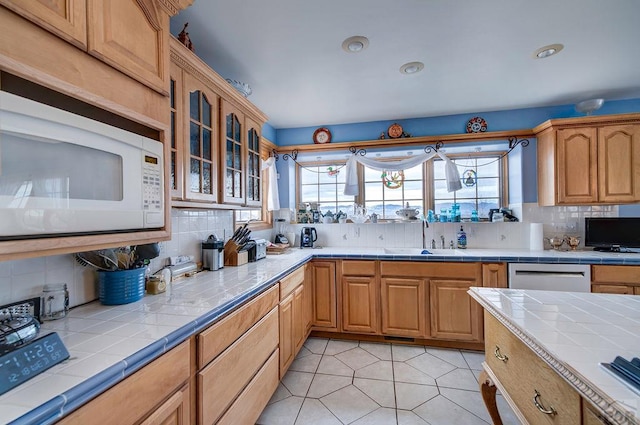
(350, 382)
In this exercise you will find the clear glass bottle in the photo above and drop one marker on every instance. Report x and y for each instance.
(55, 301)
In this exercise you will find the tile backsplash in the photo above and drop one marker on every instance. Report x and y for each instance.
(23, 279)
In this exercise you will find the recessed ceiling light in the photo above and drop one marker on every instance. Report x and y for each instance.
(546, 51)
(355, 44)
(411, 67)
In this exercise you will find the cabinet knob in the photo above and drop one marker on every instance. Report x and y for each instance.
(501, 357)
(540, 406)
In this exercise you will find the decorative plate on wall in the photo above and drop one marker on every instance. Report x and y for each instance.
(476, 125)
(322, 135)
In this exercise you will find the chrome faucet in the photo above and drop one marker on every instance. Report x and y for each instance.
(442, 241)
(425, 225)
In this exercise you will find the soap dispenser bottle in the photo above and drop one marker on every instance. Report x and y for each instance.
(462, 239)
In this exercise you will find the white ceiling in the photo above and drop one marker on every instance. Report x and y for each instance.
(477, 55)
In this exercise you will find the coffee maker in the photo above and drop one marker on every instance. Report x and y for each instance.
(308, 236)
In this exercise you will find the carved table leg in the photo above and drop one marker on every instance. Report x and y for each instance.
(488, 390)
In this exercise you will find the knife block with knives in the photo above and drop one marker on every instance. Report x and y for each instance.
(234, 253)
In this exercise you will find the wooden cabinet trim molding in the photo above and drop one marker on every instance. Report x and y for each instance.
(192, 64)
(589, 121)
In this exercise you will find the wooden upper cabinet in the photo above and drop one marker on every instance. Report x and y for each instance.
(254, 180)
(589, 160)
(176, 107)
(232, 151)
(619, 163)
(65, 18)
(132, 36)
(577, 166)
(200, 147)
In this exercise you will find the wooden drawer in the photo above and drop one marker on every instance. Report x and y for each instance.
(359, 268)
(524, 373)
(249, 405)
(615, 274)
(221, 381)
(291, 282)
(132, 399)
(215, 339)
(417, 269)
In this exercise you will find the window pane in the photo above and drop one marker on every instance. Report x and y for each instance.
(491, 169)
(206, 178)
(414, 173)
(393, 194)
(195, 175)
(484, 205)
(309, 193)
(488, 187)
(194, 105)
(308, 176)
(412, 190)
(206, 111)
(373, 191)
(326, 176)
(206, 144)
(194, 136)
(371, 175)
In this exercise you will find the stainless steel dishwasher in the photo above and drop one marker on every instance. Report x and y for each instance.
(550, 277)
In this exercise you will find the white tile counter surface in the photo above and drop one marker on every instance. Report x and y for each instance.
(574, 333)
(108, 343)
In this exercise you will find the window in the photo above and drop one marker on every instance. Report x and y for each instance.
(482, 187)
(423, 187)
(386, 196)
(323, 183)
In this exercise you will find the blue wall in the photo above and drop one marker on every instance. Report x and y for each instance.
(516, 119)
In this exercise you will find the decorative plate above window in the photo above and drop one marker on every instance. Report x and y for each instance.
(476, 125)
(322, 135)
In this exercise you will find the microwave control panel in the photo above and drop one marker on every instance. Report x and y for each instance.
(151, 184)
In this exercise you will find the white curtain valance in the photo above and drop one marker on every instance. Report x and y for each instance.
(273, 198)
(351, 185)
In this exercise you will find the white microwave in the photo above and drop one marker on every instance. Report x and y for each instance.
(64, 174)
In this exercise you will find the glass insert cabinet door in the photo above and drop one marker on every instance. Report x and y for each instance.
(233, 172)
(254, 180)
(202, 153)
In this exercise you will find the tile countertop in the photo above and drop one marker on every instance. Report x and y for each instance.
(574, 333)
(108, 343)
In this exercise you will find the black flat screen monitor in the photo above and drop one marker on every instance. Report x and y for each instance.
(612, 233)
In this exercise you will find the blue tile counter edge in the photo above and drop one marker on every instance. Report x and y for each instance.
(80, 394)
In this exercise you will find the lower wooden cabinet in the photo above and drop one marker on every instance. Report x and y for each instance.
(404, 306)
(494, 275)
(232, 357)
(360, 304)
(453, 313)
(615, 279)
(174, 411)
(222, 381)
(323, 276)
(294, 316)
(159, 393)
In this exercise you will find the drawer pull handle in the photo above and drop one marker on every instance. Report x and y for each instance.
(540, 406)
(501, 357)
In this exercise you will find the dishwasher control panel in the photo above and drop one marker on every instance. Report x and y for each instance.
(550, 277)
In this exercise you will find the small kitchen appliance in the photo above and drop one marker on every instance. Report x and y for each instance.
(41, 143)
(308, 236)
(280, 227)
(261, 249)
(212, 253)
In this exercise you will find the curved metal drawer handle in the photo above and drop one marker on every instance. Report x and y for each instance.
(501, 357)
(540, 406)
